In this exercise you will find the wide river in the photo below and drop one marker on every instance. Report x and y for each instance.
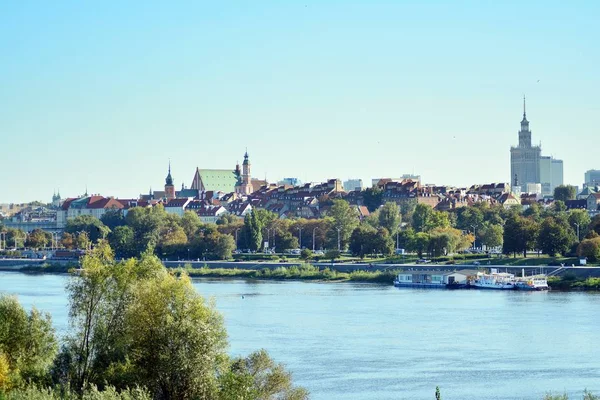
(366, 341)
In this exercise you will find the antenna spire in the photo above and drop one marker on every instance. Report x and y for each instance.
(524, 113)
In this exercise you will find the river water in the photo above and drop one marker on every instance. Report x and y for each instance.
(367, 341)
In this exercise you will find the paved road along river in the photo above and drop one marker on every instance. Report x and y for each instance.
(365, 341)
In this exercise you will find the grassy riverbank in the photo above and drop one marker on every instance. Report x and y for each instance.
(302, 272)
(570, 282)
(45, 268)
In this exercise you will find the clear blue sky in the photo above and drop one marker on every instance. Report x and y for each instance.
(104, 94)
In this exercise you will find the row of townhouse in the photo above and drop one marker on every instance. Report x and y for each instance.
(313, 200)
(209, 210)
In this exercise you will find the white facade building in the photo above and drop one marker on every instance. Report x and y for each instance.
(94, 205)
(551, 174)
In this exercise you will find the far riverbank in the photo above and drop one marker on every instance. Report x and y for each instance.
(569, 280)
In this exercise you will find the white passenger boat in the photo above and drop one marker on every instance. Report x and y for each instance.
(495, 280)
(533, 283)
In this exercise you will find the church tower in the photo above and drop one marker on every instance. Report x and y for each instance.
(169, 187)
(246, 186)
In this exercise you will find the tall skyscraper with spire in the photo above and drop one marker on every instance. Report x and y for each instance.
(525, 158)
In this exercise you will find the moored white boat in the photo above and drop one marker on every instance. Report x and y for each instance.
(533, 283)
(495, 280)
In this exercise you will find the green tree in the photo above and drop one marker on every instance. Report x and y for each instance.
(406, 239)
(121, 239)
(306, 254)
(83, 241)
(227, 219)
(27, 344)
(438, 219)
(285, 241)
(420, 243)
(344, 220)
(223, 245)
(389, 217)
(491, 235)
(133, 325)
(469, 217)
(565, 192)
(579, 221)
(67, 241)
(520, 235)
(421, 216)
(178, 341)
(332, 255)
(112, 218)
(360, 240)
(146, 224)
(590, 249)
(34, 392)
(443, 241)
(555, 237)
(38, 239)
(534, 211)
(258, 377)
(372, 198)
(15, 237)
(595, 225)
(190, 222)
(264, 217)
(426, 218)
(253, 231)
(172, 237)
(94, 228)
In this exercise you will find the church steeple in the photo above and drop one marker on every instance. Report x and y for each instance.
(169, 180)
(169, 187)
(245, 180)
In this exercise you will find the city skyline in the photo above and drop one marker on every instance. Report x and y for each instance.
(103, 98)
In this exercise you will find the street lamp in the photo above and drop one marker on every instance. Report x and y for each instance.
(54, 240)
(314, 238)
(269, 235)
(475, 235)
(188, 254)
(578, 238)
(2, 240)
(339, 229)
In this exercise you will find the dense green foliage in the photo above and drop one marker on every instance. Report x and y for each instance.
(565, 192)
(137, 331)
(38, 239)
(412, 226)
(302, 272)
(27, 344)
(93, 227)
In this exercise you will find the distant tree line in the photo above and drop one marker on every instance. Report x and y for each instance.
(416, 228)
